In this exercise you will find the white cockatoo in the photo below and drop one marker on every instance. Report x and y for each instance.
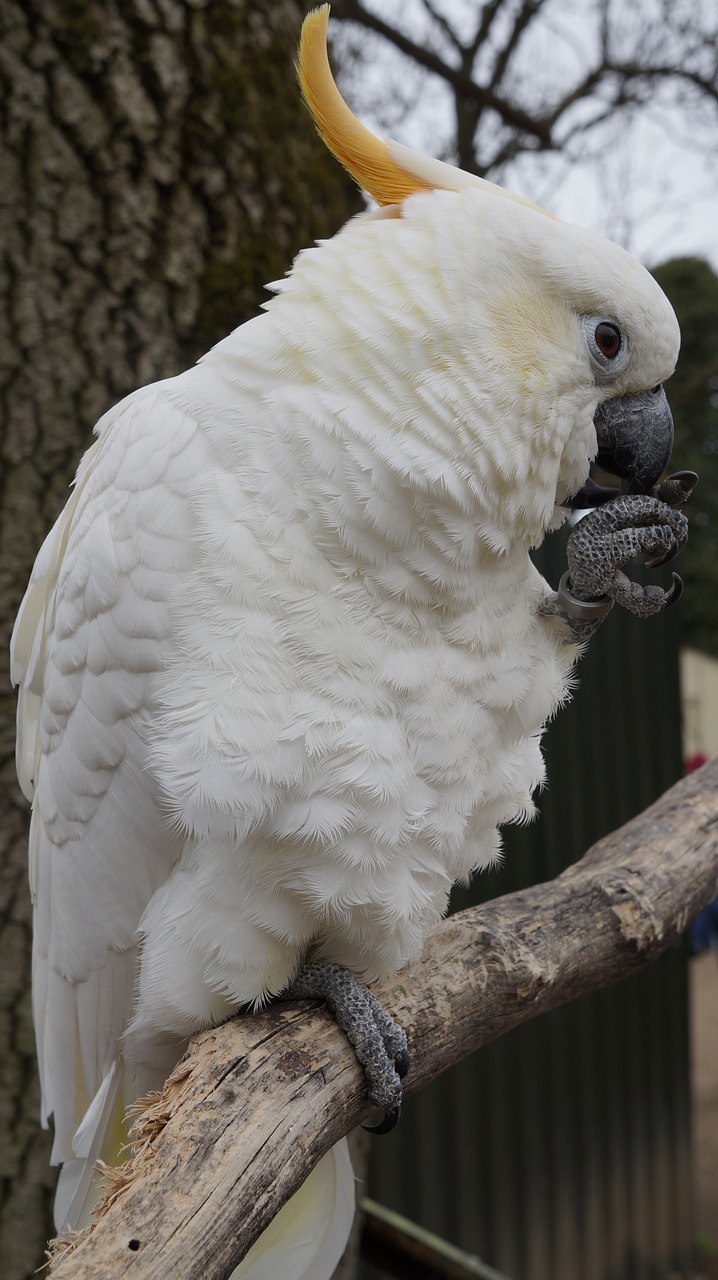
(284, 660)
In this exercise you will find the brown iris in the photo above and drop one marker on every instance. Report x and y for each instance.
(608, 339)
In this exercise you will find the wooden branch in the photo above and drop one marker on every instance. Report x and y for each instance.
(256, 1102)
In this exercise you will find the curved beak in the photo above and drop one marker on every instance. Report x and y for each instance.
(635, 438)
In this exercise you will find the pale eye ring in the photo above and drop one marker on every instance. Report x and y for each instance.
(608, 346)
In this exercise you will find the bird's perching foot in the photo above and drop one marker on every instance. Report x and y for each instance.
(378, 1041)
(608, 538)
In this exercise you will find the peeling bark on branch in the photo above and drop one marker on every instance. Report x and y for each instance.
(256, 1102)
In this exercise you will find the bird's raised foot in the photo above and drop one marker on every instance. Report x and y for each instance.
(608, 538)
(378, 1041)
(612, 535)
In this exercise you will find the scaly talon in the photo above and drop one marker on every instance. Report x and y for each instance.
(378, 1041)
(675, 593)
(401, 1061)
(390, 1121)
(657, 562)
(607, 539)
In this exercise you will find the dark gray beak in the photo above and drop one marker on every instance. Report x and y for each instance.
(635, 438)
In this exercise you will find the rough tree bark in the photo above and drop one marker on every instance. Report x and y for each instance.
(157, 170)
(256, 1102)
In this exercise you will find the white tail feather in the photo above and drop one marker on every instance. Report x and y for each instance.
(76, 1190)
(309, 1234)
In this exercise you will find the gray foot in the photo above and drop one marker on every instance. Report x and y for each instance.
(379, 1043)
(608, 538)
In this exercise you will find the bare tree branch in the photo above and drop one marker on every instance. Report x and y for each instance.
(441, 22)
(489, 12)
(529, 10)
(632, 71)
(256, 1102)
(351, 10)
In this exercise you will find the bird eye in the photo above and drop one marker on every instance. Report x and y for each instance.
(608, 339)
(608, 346)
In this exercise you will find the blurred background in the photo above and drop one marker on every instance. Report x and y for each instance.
(157, 172)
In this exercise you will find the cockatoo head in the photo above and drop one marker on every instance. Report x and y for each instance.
(562, 339)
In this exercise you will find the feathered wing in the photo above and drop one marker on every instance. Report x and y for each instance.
(92, 634)
(89, 637)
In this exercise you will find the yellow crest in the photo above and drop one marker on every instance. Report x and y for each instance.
(365, 157)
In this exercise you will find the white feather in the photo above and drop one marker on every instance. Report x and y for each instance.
(76, 1187)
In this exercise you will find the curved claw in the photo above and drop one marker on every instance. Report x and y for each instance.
(401, 1062)
(391, 1116)
(675, 593)
(390, 1121)
(658, 561)
(679, 543)
(677, 488)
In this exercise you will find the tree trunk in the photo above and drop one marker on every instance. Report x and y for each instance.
(157, 170)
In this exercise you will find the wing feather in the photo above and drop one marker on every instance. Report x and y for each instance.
(92, 639)
(91, 634)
